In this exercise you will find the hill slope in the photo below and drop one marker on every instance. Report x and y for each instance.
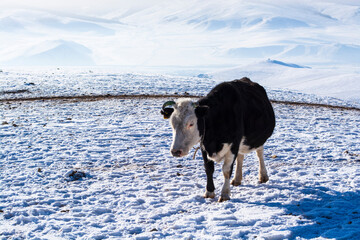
(195, 33)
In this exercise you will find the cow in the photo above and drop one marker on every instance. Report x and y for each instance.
(233, 119)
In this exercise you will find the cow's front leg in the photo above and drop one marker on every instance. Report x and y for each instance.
(209, 169)
(227, 170)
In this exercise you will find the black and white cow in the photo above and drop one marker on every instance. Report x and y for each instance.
(235, 118)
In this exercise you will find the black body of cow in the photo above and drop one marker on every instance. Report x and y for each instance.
(231, 111)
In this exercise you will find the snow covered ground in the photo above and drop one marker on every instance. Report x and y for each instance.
(336, 82)
(328, 86)
(102, 169)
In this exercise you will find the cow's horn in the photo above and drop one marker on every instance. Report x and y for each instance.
(168, 103)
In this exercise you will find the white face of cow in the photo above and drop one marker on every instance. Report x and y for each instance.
(185, 130)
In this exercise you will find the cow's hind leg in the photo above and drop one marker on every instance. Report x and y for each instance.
(238, 171)
(227, 170)
(263, 176)
(209, 169)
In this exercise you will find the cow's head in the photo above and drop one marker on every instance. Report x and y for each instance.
(184, 122)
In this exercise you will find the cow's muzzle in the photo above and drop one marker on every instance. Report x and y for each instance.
(177, 152)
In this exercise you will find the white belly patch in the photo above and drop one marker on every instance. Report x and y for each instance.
(218, 157)
(243, 148)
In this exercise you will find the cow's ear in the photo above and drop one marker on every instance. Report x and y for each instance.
(201, 111)
(166, 112)
(167, 109)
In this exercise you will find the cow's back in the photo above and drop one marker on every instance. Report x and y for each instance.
(238, 109)
(259, 117)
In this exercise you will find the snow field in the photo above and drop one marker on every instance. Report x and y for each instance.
(131, 188)
(71, 81)
(281, 82)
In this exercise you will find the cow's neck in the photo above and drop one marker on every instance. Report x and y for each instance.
(202, 135)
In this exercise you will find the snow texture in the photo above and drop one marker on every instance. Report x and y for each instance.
(103, 170)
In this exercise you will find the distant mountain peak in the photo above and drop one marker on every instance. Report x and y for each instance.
(57, 52)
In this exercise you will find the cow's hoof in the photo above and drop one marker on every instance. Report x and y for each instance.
(235, 183)
(209, 194)
(224, 198)
(263, 179)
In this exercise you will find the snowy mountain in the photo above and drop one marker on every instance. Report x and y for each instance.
(194, 33)
(55, 53)
(197, 34)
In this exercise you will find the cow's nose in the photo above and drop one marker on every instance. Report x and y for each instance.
(177, 152)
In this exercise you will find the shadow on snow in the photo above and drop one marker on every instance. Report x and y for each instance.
(324, 213)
